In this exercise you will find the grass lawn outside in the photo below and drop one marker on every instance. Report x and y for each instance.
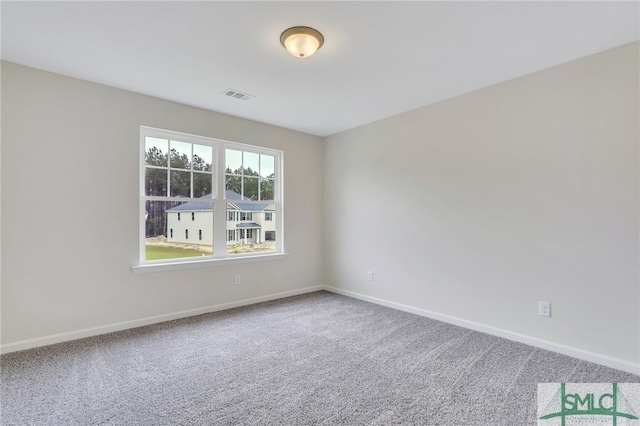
(157, 248)
(154, 252)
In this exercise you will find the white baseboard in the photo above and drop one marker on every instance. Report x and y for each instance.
(125, 325)
(607, 361)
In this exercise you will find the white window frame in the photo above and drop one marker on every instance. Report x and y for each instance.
(220, 255)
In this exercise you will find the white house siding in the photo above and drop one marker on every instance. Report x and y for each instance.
(258, 234)
(267, 225)
(202, 221)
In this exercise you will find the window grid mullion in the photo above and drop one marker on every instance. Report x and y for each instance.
(220, 208)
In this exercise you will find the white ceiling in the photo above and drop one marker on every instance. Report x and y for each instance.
(379, 58)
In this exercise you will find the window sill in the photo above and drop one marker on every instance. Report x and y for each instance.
(202, 263)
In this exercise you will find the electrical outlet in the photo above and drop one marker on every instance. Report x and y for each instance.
(236, 279)
(544, 309)
(370, 276)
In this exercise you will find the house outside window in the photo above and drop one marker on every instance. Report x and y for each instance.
(179, 174)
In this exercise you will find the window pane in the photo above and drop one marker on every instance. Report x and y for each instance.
(155, 182)
(180, 184)
(155, 151)
(250, 188)
(233, 185)
(233, 160)
(180, 157)
(201, 184)
(252, 232)
(168, 238)
(266, 189)
(186, 170)
(267, 168)
(251, 164)
(202, 158)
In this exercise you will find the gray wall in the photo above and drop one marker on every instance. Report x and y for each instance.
(478, 207)
(70, 159)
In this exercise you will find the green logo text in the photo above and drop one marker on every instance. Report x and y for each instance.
(613, 404)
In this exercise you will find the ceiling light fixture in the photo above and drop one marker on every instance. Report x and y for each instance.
(301, 41)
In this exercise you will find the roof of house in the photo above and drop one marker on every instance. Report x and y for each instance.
(248, 225)
(251, 207)
(229, 195)
(194, 205)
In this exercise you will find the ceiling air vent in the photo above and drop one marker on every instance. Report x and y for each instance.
(236, 94)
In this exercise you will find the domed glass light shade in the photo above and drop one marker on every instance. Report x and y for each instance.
(301, 42)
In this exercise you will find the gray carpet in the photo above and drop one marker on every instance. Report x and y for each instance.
(318, 359)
